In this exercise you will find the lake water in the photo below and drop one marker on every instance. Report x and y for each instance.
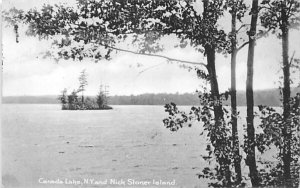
(42, 142)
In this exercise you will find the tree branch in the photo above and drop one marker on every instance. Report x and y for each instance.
(292, 58)
(242, 46)
(148, 68)
(261, 36)
(243, 25)
(290, 8)
(155, 55)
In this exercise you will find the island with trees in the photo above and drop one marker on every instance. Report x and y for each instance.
(73, 101)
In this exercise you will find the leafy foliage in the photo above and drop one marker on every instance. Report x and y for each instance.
(63, 99)
(73, 102)
(237, 9)
(273, 14)
(280, 17)
(272, 124)
(93, 28)
(101, 99)
(220, 145)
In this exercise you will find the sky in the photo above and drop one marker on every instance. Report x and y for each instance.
(25, 72)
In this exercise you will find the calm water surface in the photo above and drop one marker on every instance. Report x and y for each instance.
(128, 142)
(42, 142)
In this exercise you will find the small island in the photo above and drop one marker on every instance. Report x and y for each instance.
(75, 102)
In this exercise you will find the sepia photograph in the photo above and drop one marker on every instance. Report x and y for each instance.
(150, 93)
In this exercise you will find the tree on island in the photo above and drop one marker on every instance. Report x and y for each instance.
(72, 102)
(63, 99)
(100, 99)
(82, 83)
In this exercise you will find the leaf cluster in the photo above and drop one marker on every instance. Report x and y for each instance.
(218, 132)
(93, 27)
(272, 124)
(277, 15)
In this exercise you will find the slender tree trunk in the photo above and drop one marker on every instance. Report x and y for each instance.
(218, 140)
(286, 96)
(250, 143)
(235, 137)
(218, 113)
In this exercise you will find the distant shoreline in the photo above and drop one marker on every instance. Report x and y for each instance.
(116, 105)
(269, 97)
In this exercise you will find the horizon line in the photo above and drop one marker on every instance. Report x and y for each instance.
(180, 93)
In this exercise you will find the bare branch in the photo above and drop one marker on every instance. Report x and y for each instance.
(156, 55)
(292, 58)
(261, 36)
(244, 25)
(148, 68)
(242, 46)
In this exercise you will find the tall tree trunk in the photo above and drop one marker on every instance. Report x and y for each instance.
(211, 66)
(217, 135)
(286, 96)
(235, 137)
(218, 113)
(250, 143)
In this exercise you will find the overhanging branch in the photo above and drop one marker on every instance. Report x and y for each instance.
(155, 55)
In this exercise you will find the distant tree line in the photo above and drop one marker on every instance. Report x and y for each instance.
(269, 97)
(155, 99)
